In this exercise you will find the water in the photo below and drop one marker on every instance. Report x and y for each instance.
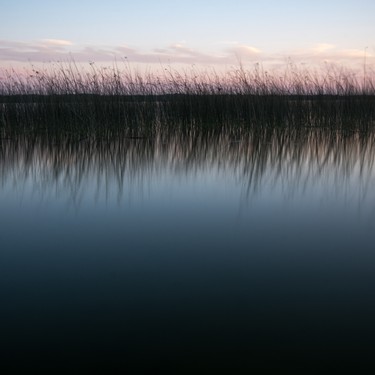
(195, 252)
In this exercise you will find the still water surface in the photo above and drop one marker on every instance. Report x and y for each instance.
(230, 250)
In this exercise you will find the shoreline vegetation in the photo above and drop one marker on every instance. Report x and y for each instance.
(72, 99)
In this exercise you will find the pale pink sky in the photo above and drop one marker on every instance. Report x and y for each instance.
(218, 33)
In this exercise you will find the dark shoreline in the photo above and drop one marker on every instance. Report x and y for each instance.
(93, 111)
(18, 98)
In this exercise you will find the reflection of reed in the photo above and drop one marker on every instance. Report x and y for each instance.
(295, 161)
(301, 160)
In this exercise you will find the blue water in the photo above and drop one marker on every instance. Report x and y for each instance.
(200, 252)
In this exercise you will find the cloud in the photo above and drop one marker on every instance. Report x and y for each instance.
(243, 50)
(322, 48)
(324, 52)
(46, 50)
(57, 42)
(181, 53)
(355, 53)
(222, 53)
(58, 49)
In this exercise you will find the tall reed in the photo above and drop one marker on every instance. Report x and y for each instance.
(70, 98)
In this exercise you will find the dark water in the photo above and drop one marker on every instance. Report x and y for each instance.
(193, 252)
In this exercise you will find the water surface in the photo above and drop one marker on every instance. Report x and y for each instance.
(196, 250)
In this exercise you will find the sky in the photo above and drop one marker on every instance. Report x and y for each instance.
(218, 33)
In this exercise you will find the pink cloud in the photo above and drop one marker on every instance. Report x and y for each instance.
(57, 42)
(223, 54)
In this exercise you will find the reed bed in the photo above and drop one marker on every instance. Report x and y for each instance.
(74, 99)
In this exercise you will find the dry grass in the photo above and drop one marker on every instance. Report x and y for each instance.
(74, 99)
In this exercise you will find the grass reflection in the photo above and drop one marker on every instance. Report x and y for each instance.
(293, 162)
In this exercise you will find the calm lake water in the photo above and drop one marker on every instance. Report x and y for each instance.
(196, 252)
